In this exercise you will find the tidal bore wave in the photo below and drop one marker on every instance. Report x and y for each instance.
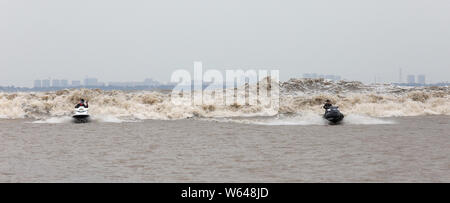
(297, 97)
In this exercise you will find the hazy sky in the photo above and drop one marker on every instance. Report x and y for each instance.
(133, 40)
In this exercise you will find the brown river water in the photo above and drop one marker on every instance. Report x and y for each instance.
(405, 149)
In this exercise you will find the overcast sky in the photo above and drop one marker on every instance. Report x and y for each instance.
(133, 39)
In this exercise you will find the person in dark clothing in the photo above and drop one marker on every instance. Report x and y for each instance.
(327, 104)
(82, 104)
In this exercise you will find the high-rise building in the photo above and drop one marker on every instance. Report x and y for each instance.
(76, 83)
(421, 79)
(45, 83)
(56, 83)
(37, 84)
(307, 75)
(91, 82)
(411, 79)
(150, 82)
(64, 83)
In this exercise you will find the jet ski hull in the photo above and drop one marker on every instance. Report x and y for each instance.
(81, 115)
(81, 118)
(334, 116)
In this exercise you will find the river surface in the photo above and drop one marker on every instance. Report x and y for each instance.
(404, 149)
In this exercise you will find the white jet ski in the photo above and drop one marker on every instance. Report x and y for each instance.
(81, 115)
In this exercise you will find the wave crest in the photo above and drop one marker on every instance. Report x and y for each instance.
(298, 96)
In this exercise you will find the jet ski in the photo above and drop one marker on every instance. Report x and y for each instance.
(333, 115)
(81, 115)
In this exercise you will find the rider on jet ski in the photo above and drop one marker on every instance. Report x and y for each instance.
(82, 104)
(327, 104)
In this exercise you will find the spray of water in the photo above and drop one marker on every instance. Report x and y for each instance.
(300, 97)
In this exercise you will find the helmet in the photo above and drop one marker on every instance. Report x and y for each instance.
(82, 100)
(328, 101)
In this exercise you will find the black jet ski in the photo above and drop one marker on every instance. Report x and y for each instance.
(81, 115)
(333, 115)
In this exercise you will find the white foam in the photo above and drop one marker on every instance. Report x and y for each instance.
(355, 119)
(111, 119)
(301, 97)
(100, 119)
(309, 119)
(54, 120)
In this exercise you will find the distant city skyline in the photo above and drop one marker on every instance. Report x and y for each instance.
(419, 78)
(91, 82)
(150, 84)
